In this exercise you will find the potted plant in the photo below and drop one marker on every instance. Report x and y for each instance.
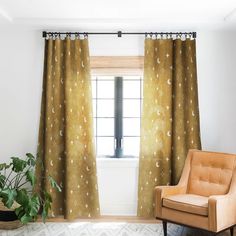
(19, 203)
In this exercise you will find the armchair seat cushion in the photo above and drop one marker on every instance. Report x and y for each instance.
(191, 203)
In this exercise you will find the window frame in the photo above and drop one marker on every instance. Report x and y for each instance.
(117, 67)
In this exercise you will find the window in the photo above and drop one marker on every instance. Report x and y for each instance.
(117, 104)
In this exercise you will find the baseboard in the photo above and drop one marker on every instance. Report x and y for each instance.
(118, 209)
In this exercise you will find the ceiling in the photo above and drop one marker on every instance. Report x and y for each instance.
(145, 15)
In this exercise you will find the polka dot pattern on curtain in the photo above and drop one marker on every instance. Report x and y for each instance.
(66, 144)
(170, 116)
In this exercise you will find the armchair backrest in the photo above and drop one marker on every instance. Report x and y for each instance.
(210, 173)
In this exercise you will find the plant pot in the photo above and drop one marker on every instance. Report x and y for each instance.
(8, 218)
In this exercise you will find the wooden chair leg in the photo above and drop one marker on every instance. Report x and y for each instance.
(232, 231)
(164, 224)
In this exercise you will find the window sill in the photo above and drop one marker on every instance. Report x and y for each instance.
(127, 162)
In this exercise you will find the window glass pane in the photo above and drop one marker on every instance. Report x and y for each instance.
(94, 108)
(105, 127)
(105, 89)
(131, 89)
(131, 126)
(94, 126)
(105, 146)
(131, 146)
(94, 89)
(131, 108)
(142, 88)
(105, 108)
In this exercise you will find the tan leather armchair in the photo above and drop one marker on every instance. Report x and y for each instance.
(205, 196)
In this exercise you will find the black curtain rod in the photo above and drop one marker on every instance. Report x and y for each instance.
(119, 33)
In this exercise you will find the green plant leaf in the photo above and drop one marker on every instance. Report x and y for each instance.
(44, 214)
(31, 162)
(25, 219)
(19, 211)
(30, 155)
(18, 164)
(31, 159)
(46, 205)
(29, 206)
(47, 196)
(4, 166)
(22, 197)
(54, 183)
(2, 181)
(8, 197)
(34, 205)
(30, 177)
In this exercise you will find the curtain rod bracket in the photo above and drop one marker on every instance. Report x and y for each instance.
(44, 33)
(119, 34)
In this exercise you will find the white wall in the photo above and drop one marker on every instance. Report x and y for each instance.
(216, 53)
(21, 61)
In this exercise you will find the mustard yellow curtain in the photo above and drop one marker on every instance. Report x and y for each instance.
(170, 116)
(66, 144)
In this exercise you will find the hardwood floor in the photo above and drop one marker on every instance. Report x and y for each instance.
(128, 219)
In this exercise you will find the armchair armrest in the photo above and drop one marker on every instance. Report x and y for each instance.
(221, 211)
(163, 191)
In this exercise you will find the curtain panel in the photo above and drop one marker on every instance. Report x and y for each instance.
(170, 115)
(66, 145)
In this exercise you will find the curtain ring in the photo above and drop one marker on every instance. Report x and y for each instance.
(161, 35)
(151, 34)
(77, 36)
(85, 35)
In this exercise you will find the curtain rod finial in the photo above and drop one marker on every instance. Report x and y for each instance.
(44, 33)
(194, 35)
